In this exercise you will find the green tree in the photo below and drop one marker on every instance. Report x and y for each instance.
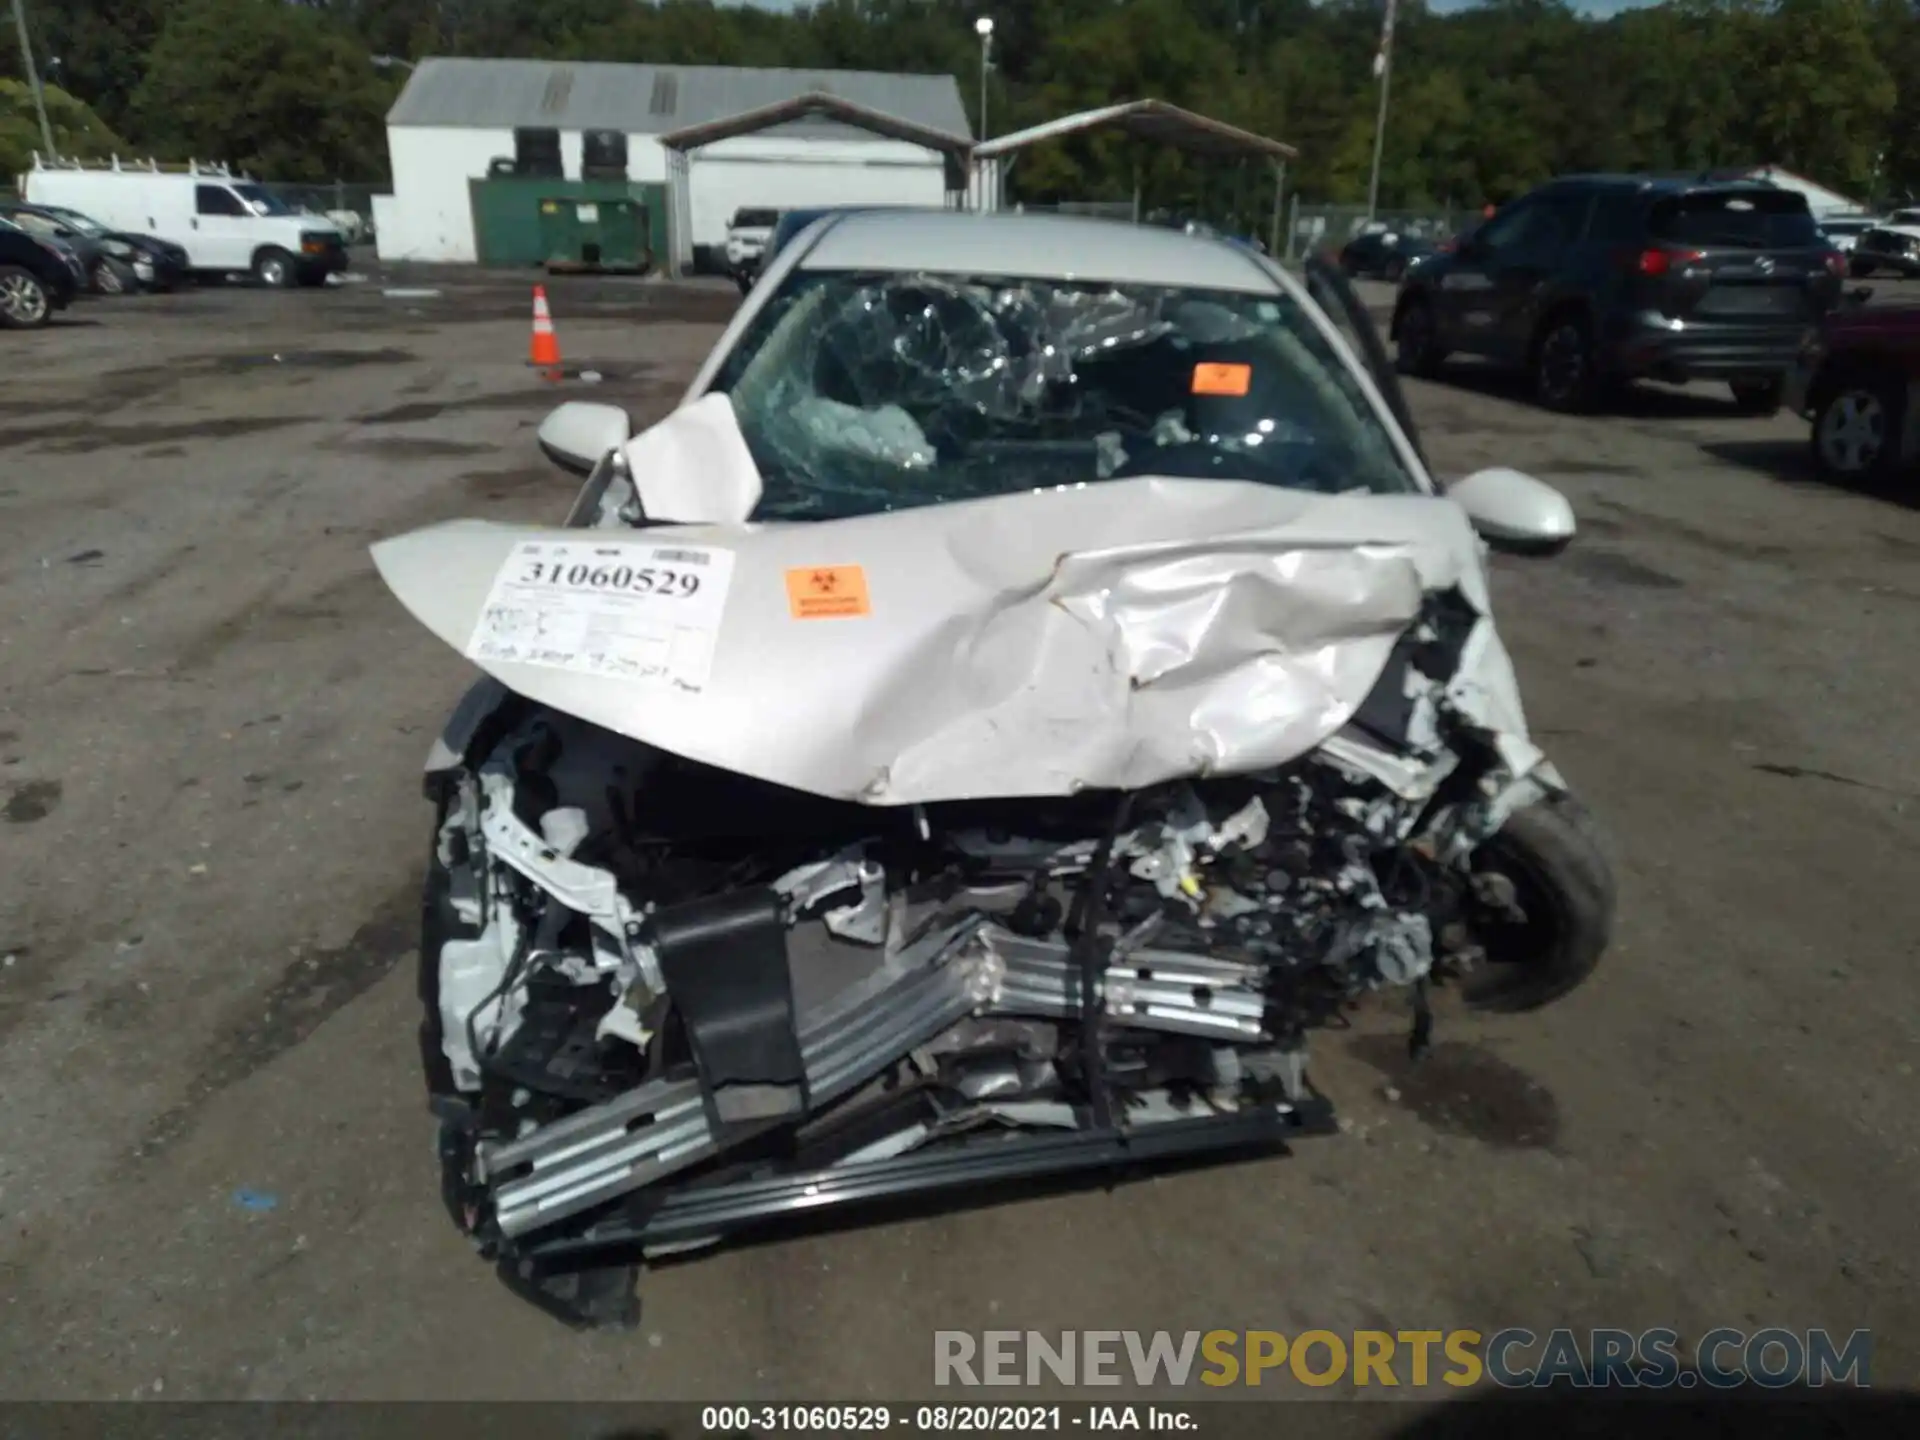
(95, 49)
(1819, 98)
(277, 89)
(78, 133)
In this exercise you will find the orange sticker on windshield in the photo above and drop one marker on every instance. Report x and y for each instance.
(1222, 379)
(827, 592)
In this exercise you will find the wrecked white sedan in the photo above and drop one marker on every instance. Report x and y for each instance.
(1030, 684)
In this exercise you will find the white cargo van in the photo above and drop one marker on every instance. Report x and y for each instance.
(225, 222)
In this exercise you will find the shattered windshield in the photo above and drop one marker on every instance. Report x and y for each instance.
(859, 393)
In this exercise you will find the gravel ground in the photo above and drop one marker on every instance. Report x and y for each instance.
(216, 1176)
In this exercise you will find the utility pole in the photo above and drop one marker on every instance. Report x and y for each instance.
(1382, 67)
(33, 77)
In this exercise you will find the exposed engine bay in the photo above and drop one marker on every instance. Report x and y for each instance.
(655, 985)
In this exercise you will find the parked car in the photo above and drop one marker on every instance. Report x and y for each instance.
(225, 223)
(1383, 253)
(1854, 380)
(1591, 281)
(106, 274)
(116, 262)
(1841, 231)
(747, 236)
(37, 277)
(1882, 247)
(1141, 709)
(1188, 226)
(793, 222)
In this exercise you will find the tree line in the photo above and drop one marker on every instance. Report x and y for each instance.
(1485, 101)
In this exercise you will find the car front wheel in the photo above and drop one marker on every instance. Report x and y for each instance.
(1549, 865)
(1564, 375)
(24, 304)
(274, 267)
(1856, 429)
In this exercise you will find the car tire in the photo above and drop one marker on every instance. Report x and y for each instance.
(24, 301)
(1395, 268)
(1859, 269)
(108, 280)
(274, 268)
(1417, 347)
(1857, 423)
(1757, 397)
(1566, 375)
(1554, 854)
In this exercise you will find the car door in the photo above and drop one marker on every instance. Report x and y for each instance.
(1464, 300)
(220, 236)
(1524, 265)
(1488, 290)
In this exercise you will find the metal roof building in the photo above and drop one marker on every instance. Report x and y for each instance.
(654, 99)
(862, 138)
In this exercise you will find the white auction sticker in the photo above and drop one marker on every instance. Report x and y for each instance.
(628, 611)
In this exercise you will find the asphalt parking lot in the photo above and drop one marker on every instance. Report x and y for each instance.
(216, 1175)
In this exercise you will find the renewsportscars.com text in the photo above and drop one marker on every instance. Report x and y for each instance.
(1512, 1358)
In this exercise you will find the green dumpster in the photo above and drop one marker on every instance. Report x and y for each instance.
(600, 234)
(601, 225)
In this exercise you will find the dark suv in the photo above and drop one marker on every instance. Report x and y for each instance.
(1594, 280)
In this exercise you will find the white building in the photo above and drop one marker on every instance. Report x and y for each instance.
(1820, 200)
(456, 117)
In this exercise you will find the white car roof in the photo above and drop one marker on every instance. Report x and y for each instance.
(1034, 247)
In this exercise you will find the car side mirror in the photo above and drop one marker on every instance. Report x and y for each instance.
(1513, 511)
(578, 434)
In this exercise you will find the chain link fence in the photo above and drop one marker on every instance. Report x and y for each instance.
(1305, 228)
(1310, 228)
(349, 204)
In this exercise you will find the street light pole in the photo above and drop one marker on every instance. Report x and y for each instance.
(983, 27)
(33, 77)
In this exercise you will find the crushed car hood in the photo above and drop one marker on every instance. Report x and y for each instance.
(1111, 636)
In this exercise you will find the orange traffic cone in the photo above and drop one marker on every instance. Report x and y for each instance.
(546, 345)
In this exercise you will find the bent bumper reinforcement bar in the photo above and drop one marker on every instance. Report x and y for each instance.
(712, 1211)
(638, 1138)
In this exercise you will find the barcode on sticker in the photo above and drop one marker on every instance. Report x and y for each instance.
(681, 557)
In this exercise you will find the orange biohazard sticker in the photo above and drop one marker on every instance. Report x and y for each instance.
(1222, 379)
(827, 592)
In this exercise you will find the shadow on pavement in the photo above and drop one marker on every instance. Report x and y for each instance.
(1788, 462)
(1632, 402)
